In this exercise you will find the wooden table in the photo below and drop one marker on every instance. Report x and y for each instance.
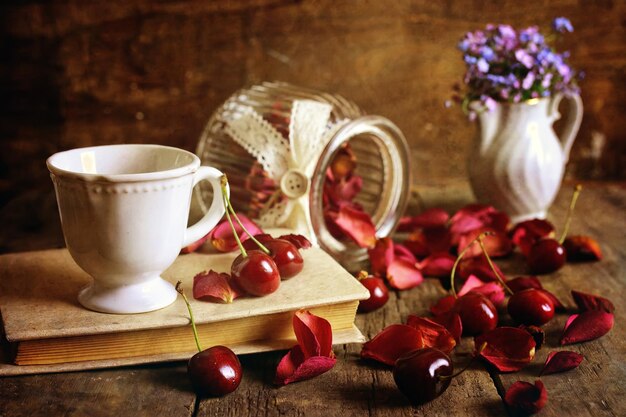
(353, 387)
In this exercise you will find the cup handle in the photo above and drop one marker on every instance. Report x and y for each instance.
(215, 212)
(572, 123)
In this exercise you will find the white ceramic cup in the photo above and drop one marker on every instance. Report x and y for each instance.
(124, 211)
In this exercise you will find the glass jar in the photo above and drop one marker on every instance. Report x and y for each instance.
(381, 151)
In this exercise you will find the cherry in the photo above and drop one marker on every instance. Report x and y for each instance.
(531, 307)
(419, 374)
(549, 255)
(379, 294)
(546, 256)
(215, 371)
(284, 253)
(478, 314)
(256, 273)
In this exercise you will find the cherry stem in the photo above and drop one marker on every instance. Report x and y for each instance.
(232, 226)
(224, 181)
(362, 275)
(454, 375)
(570, 211)
(492, 266)
(458, 259)
(179, 289)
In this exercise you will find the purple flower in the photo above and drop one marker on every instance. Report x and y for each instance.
(528, 81)
(524, 58)
(562, 25)
(482, 65)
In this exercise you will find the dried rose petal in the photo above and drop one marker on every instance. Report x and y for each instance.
(401, 252)
(561, 361)
(476, 216)
(403, 274)
(433, 217)
(582, 248)
(294, 367)
(479, 267)
(343, 190)
(433, 334)
(222, 236)
(192, 247)
(312, 355)
(381, 256)
(416, 243)
(391, 343)
(509, 349)
(357, 225)
(537, 333)
(215, 285)
(443, 305)
(299, 241)
(586, 302)
(588, 325)
(525, 398)
(437, 265)
(452, 322)
(493, 291)
(496, 244)
(525, 234)
(344, 162)
(523, 283)
(423, 242)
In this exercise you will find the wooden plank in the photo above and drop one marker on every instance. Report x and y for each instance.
(597, 387)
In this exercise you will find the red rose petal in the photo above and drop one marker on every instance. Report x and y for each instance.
(452, 322)
(588, 325)
(525, 234)
(469, 218)
(433, 334)
(403, 274)
(479, 267)
(443, 305)
(433, 217)
(509, 349)
(401, 252)
(525, 398)
(496, 244)
(416, 243)
(343, 190)
(582, 248)
(293, 367)
(470, 283)
(314, 334)
(381, 256)
(522, 283)
(537, 333)
(192, 247)
(437, 265)
(561, 361)
(222, 236)
(357, 225)
(493, 291)
(214, 285)
(391, 343)
(299, 241)
(586, 302)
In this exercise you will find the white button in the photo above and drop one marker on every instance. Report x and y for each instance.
(294, 184)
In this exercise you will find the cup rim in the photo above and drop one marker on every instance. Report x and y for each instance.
(143, 176)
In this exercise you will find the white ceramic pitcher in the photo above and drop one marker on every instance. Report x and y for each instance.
(517, 161)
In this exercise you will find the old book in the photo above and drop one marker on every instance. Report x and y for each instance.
(47, 330)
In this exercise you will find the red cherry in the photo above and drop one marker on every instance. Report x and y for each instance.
(531, 307)
(478, 314)
(284, 253)
(256, 273)
(545, 256)
(419, 374)
(379, 294)
(215, 371)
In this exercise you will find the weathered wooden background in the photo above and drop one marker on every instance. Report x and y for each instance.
(78, 73)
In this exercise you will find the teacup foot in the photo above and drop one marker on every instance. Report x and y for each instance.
(129, 299)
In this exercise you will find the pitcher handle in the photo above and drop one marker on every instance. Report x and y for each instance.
(572, 122)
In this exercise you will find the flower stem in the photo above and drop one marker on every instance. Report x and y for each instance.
(458, 259)
(230, 208)
(179, 289)
(570, 211)
(493, 268)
